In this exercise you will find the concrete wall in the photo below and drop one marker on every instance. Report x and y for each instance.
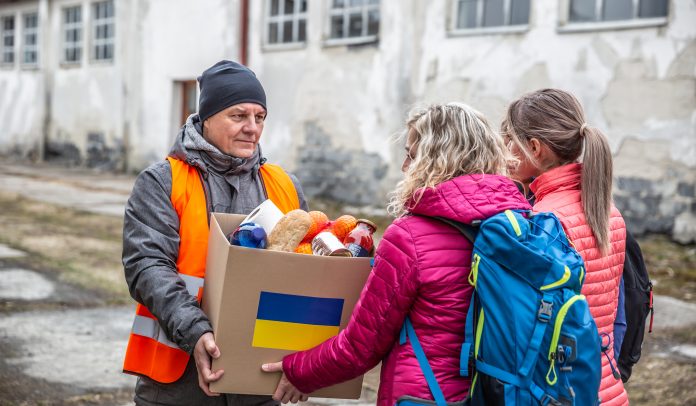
(21, 94)
(334, 108)
(637, 85)
(86, 98)
(178, 42)
(70, 113)
(121, 114)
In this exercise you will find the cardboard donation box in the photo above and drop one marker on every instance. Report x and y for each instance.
(266, 304)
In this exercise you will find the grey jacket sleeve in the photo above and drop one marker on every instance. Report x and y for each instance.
(150, 252)
(300, 193)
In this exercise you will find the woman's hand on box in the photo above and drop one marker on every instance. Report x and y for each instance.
(202, 353)
(286, 391)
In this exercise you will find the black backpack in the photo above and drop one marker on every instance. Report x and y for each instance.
(638, 304)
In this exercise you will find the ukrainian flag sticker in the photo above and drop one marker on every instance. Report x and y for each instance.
(296, 323)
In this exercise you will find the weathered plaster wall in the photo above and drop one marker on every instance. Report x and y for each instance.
(87, 99)
(179, 41)
(635, 84)
(655, 192)
(334, 109)
(355, 96)
(116, 115)
(21, 90)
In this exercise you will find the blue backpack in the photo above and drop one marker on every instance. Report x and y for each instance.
(529, 334)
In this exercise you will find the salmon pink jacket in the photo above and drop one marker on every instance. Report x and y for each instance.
(420, 270)
(558, 191)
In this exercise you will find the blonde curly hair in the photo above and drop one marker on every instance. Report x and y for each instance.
(451, 140)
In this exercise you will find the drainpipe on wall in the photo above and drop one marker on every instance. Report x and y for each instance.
(244, 37)
(46, 65)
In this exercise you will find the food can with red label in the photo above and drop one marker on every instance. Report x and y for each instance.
(328, 244)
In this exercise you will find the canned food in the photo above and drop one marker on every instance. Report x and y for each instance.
(328, 244)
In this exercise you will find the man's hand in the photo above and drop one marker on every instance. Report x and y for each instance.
(286, 391)
(202, 353)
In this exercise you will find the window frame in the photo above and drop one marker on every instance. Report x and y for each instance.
(64, 27)
(481, 30)
(95, 23)
(3, 35)
(567, 26)
(35, 48)
(345, 12)
(281, 18)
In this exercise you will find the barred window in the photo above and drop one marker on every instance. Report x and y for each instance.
(103, 30)
(616, 10)
(355, 20)
(8, 40)
(286, 21)
(473, 14)
(31, 39)
(72, 34)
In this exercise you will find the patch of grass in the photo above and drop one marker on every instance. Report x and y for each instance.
(672, 266)
(84, 248)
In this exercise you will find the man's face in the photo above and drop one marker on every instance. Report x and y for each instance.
(236, 130)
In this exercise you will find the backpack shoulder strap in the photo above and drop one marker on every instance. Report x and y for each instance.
(408, 331)
(467, 354)
(470, 231)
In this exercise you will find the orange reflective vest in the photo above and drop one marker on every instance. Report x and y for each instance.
(149, 351)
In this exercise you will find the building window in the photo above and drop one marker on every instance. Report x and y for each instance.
(31, 39)
(8, 40)
(103, 26)
(287, 21)
(582, 11)
(477, 14)
(354, 20)
(72, 34)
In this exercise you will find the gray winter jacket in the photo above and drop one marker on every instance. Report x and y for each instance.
(151, 243)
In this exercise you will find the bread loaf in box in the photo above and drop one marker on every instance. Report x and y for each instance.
(289, 231)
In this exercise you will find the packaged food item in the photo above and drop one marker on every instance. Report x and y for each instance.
(289, 231)
(328, 244)
(360, 241)
(342, 226)
(320, 221)
(267, 215)
(250, 235)
(304, 248)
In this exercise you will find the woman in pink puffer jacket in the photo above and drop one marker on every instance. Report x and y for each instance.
(454, 168)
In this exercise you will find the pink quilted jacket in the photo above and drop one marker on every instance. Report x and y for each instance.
(420, 270)
(558, 191)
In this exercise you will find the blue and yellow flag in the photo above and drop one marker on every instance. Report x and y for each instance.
(292, 322)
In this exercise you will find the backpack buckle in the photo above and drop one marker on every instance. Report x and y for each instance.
(545, 311)
(549, 400)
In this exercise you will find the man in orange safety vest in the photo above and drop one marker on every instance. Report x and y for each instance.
(215, 165)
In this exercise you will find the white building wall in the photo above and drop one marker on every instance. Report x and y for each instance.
(179, 41)
(132, 101)
(88, 97)
(333, 109)
(21, 92)
(357, 94)
(633, 82)
(637, 84)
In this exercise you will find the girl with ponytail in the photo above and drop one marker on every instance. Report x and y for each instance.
(567, 165)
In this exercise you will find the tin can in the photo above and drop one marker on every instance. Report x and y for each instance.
(328, 244)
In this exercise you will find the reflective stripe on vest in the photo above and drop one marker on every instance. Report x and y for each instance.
(150, 352)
